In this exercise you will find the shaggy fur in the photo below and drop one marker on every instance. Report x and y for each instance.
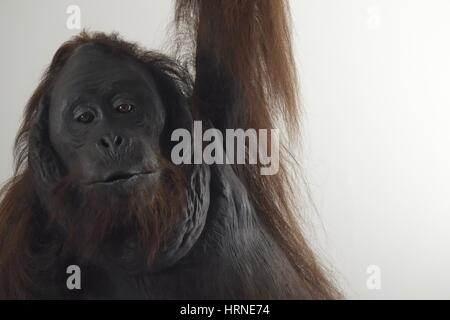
(249, 244)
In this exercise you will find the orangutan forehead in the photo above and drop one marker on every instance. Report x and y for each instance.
(95, 56)
(94, 68)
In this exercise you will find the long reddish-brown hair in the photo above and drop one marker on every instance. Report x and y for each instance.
(242, 55)
(244, 78)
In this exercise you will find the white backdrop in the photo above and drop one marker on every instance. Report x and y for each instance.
(374, 77)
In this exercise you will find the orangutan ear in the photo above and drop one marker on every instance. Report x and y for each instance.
(178, 114)
(42, 159)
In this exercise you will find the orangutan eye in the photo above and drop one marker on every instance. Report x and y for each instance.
(86, 117)
(125, 108)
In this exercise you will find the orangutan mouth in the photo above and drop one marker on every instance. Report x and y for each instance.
(121, 176)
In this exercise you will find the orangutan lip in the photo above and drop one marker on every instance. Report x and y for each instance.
(120, 176)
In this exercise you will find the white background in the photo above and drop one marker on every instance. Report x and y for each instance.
(375, 90)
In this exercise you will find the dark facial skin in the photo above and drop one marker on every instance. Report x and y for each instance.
(105, 119)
